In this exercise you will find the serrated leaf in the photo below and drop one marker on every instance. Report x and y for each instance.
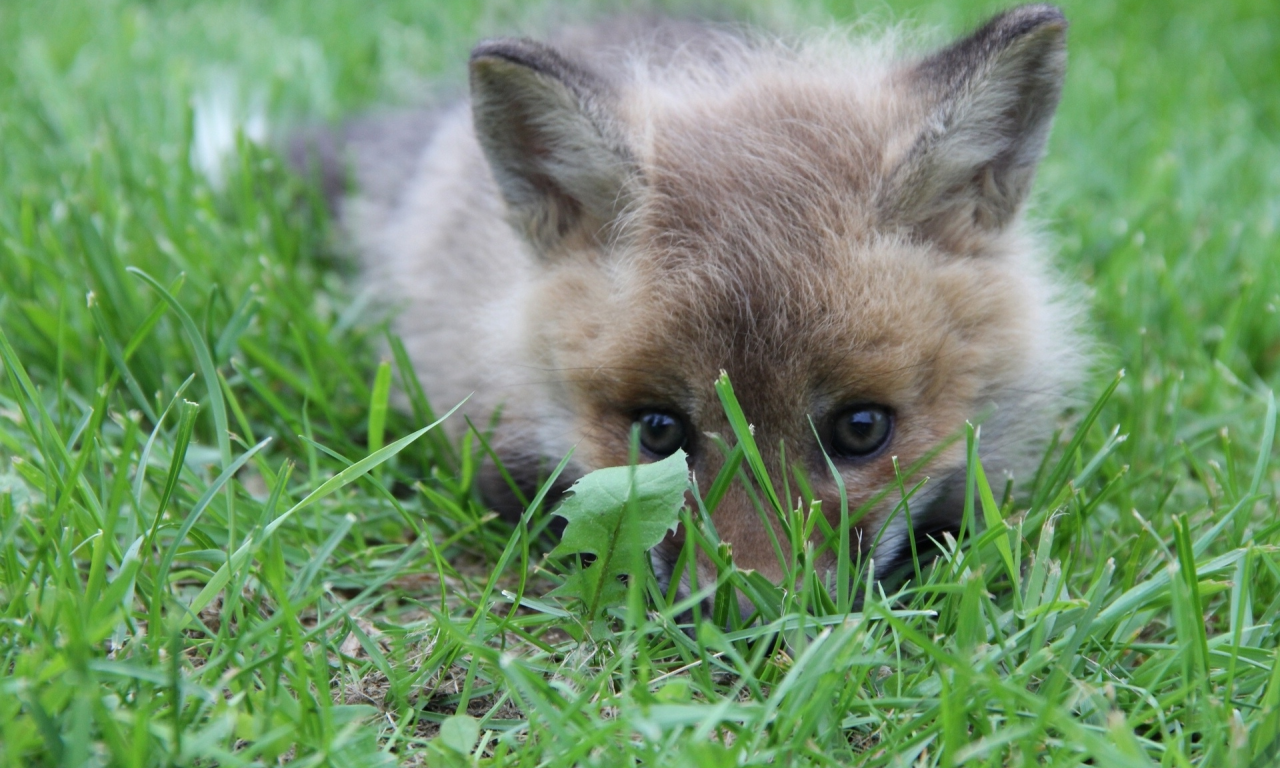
(618, 514)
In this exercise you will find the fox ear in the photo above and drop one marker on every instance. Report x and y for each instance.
(543, 123)
(988, 102)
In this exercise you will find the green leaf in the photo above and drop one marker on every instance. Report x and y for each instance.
(991, 516)
(378, 405)
(618, 514)
(460, 733)
(208, 371)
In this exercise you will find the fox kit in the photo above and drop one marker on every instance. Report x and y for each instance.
(610, 221)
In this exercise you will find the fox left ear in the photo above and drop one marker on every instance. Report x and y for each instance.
(545, 126)
(988, 102)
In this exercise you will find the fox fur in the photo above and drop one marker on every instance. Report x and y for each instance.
(612, 219)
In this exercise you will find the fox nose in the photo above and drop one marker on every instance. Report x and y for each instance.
(753, 534)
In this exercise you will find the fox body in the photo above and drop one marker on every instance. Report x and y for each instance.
(609, 222)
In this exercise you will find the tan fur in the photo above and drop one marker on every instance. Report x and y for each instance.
(830, 222)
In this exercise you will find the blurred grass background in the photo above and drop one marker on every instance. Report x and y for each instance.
(1161, 185)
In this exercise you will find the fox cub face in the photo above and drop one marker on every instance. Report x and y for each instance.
(835, 226)
(839, 232)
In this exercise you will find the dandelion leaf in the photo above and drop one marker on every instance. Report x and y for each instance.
(617, 515)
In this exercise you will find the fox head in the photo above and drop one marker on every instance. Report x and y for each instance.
(838, 232)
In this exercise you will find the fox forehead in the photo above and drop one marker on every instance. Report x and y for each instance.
(776, 165)
(880, 320)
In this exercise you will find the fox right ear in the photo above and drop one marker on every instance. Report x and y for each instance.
(988, 101)
(544, 125)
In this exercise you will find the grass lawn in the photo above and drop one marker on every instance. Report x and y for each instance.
(219, 545)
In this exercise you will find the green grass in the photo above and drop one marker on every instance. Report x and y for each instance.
(218, 545)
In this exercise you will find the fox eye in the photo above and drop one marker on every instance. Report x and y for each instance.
(661, 433)
(861, 431)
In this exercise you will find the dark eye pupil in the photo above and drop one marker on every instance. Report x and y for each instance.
(861, 431)
(661, 433)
